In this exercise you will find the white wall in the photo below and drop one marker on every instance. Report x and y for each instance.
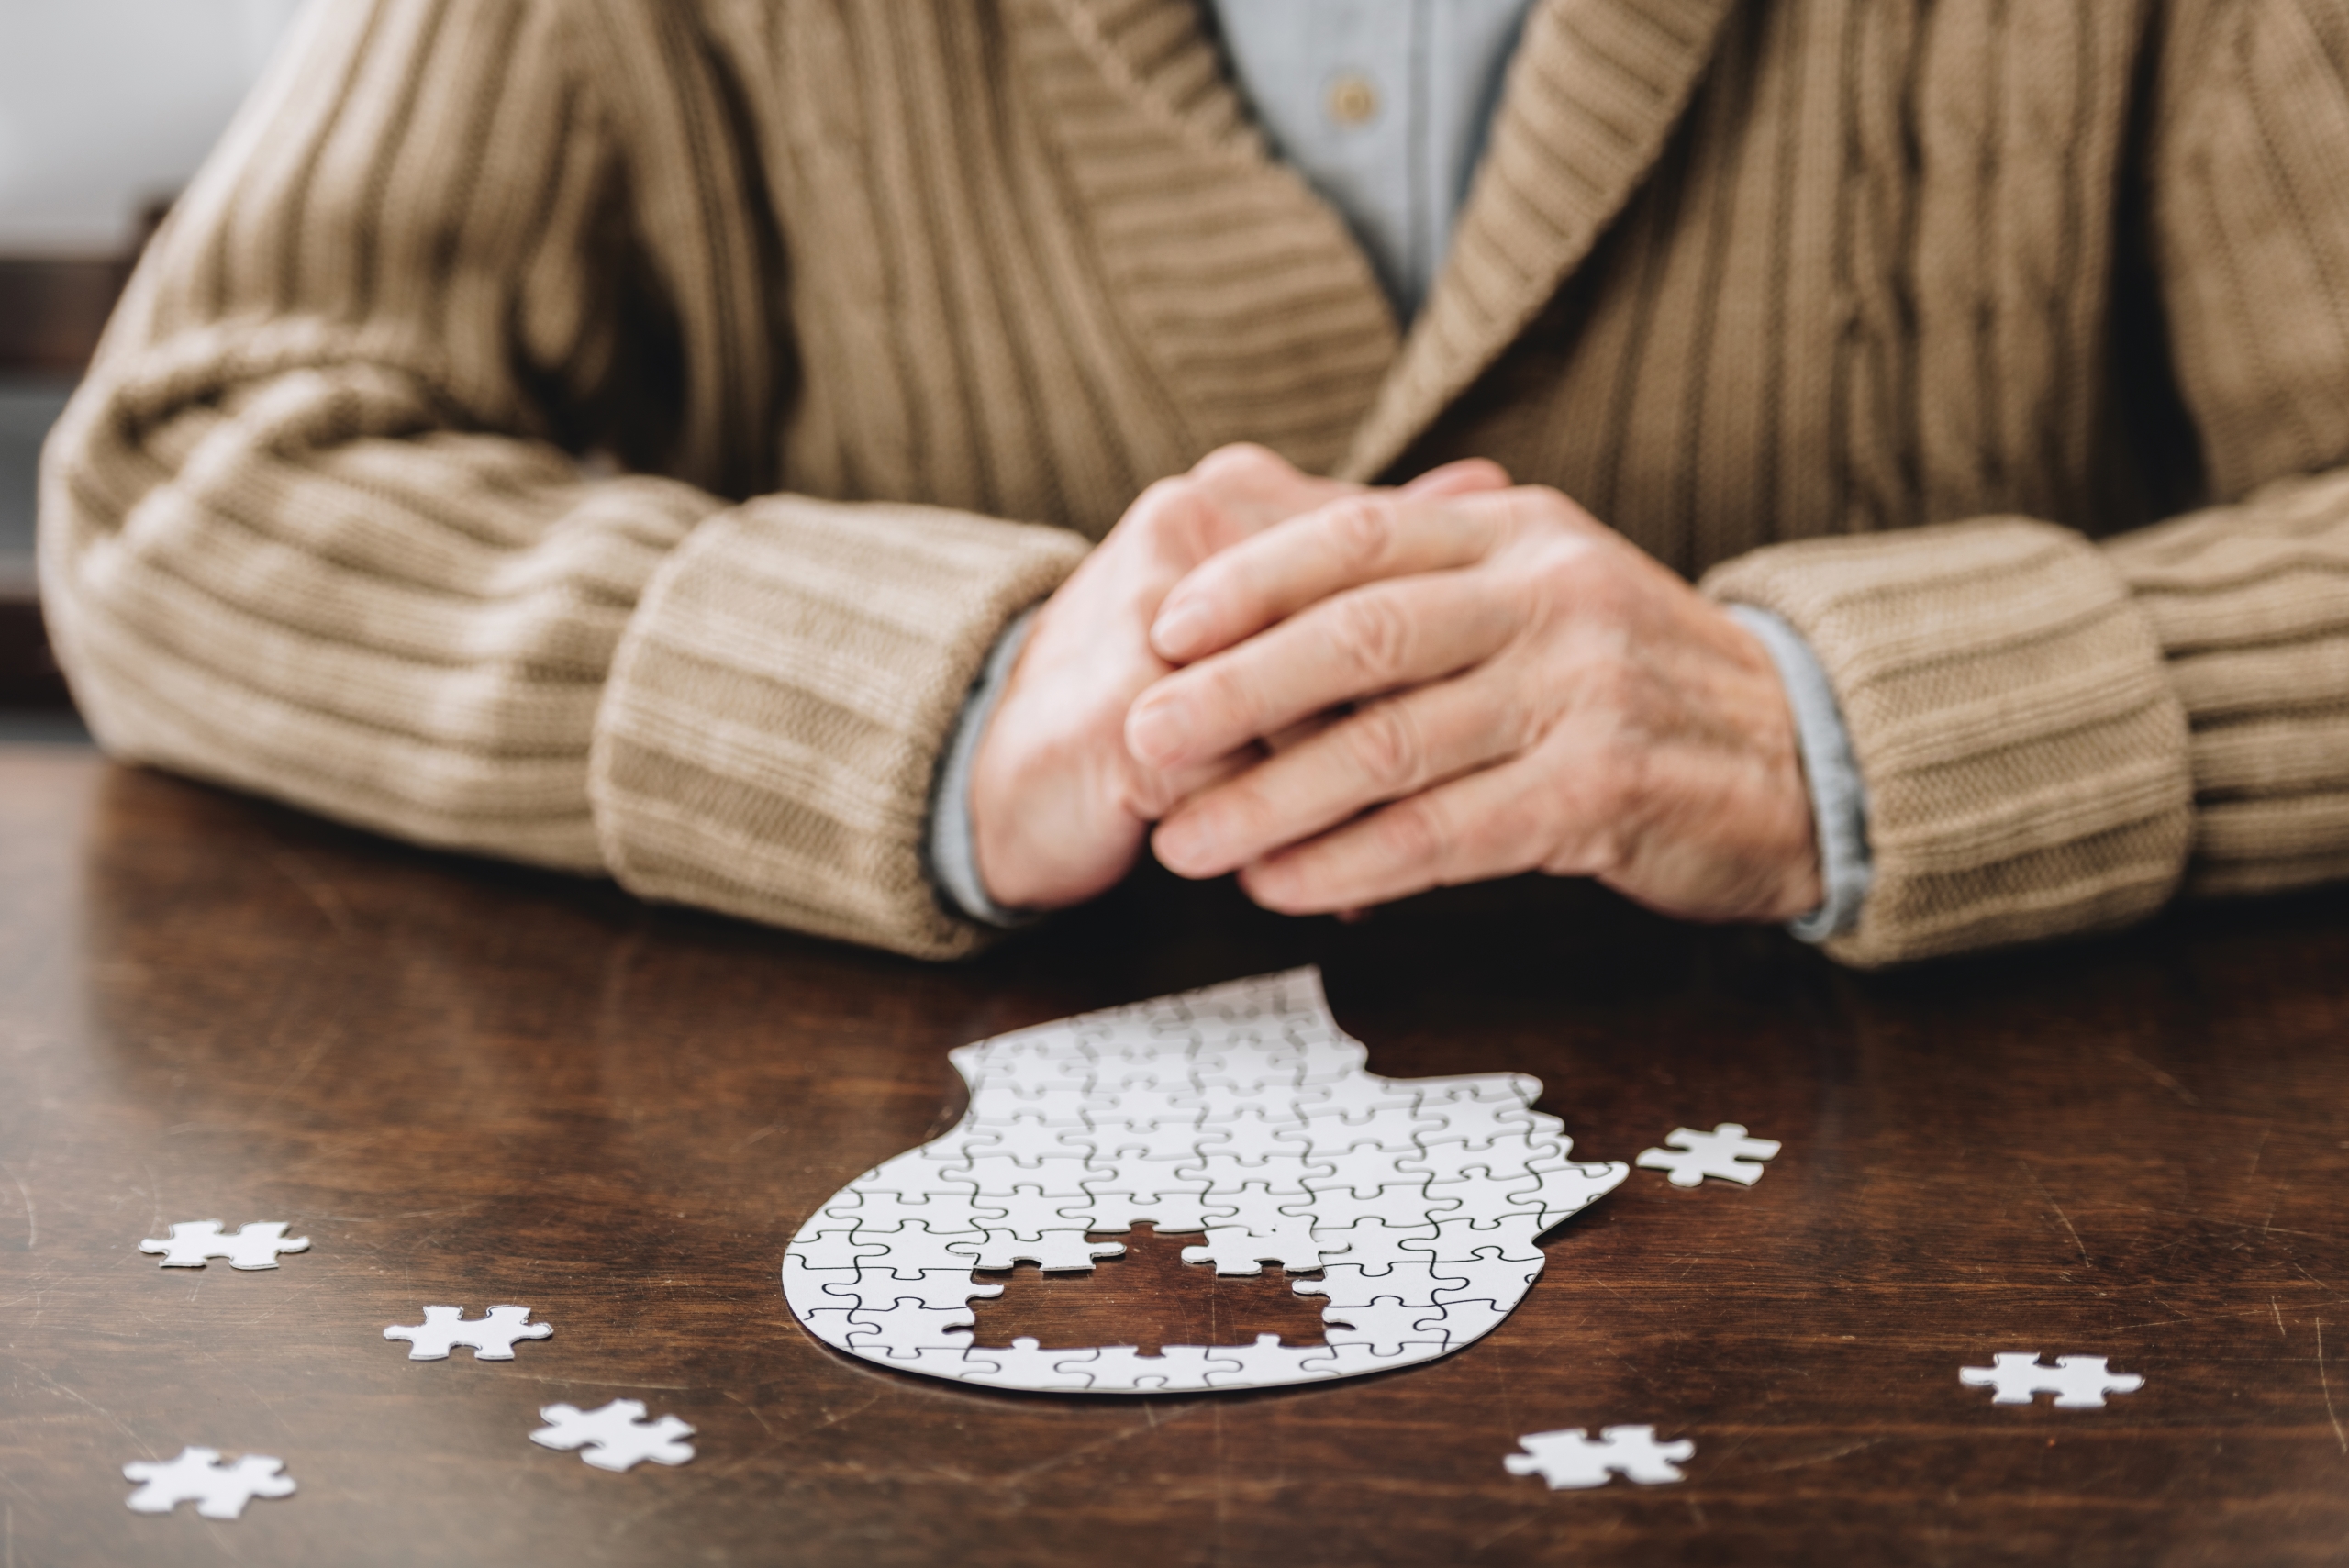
(107, 106)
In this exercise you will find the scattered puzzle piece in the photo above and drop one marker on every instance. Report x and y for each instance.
(492, 1337)
(1726, 1152)
(255, 1246)
(2079, 1382)
(1568, 1459)
(219, 1491)
(1242, 1111)
(616, 1436)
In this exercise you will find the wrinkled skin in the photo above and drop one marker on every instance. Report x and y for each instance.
(1348, 695)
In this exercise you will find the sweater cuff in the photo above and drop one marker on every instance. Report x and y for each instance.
(769, 734)
(1839, 800)
(2024, 756)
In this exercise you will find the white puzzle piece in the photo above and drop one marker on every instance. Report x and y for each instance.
(1726, 1152)
(255, 1246)
(1242, 1114)
(219, 1491)
(616, 1436)
(2079, 1382)
(444, 1329)
(1568, 1459)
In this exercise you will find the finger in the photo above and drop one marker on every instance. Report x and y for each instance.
(1386, 751)
(1152, 793)
(1344, 544)
(1482, 825)
(1304, 729)
(1257, 487)
(1360, 644)
(1464, 477)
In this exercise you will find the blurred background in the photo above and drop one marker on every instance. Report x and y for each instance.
(106, 109)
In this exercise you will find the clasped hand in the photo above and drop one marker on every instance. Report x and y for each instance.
(1347, 695)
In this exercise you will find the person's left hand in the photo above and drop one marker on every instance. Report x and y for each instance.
(1528, 690)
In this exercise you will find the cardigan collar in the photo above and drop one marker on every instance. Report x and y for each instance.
(1590, 100)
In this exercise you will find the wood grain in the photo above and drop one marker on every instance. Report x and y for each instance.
(468, 1084)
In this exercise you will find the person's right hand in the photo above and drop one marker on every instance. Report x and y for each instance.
(1058, 806)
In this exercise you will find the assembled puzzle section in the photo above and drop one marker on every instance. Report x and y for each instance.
(1241, 1113)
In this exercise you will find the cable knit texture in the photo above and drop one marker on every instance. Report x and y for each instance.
(610, 434)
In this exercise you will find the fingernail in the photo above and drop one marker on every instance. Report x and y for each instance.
(1179, 629)
(1156, 732)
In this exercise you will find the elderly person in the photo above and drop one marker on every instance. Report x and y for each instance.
(668, 440)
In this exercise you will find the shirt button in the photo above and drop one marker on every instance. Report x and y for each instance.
(1353, 100)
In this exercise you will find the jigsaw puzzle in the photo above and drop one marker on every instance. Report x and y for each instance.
(615, 1436)
(1568, 1459)
(1726, 1152)
(2079, 1382)
(219, 1491)
(1239, 1112)
(444, 1329)
(256, 1246)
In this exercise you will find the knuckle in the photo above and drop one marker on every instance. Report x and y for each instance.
(1241, 460)
(1361, 530)
(1552, 509)
(1372, 635)
(1567, 569)
(1172, 515)
(1221, 695)
(1159, 505)
(1388, 746)
(1413, 833)
(1244, 815)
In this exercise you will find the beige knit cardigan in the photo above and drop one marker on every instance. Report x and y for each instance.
(583, 430)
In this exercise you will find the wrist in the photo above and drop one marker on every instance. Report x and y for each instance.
(957, 853)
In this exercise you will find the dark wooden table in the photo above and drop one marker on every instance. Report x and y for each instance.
(468, 1084)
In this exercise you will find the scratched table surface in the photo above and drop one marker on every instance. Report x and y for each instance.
(468, 1084)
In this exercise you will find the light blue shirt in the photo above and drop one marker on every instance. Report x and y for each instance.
(1382, 106)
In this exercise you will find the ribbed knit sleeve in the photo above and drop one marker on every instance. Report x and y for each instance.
(2251, 599)
(2055, 734)
(2024, 756)
(722, 777)
(313, 526)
